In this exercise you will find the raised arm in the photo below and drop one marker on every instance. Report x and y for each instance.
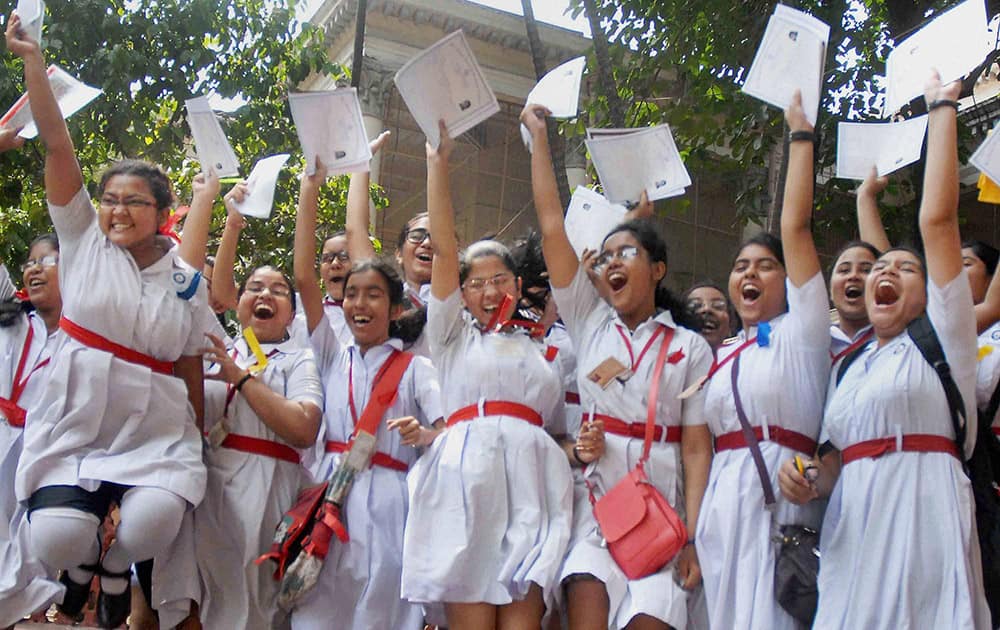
(441, 216)
(801, 259)
(63, 178)
(560, 258)
(194, 239)
(359, 243)
(304, 264)
(939, 203)
(223, 277)
(870, 228)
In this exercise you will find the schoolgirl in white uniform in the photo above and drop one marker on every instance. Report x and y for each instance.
(118, 419)
(847, 293)
(414, 253)
(491, 500)
(783, 361)
(27, 342)
(360, 580)
(899, 545)
(628, 330)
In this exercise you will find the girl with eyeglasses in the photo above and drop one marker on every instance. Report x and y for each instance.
(29, 334)
(490, 501)
(414, 250)
(617, 343)
(359, 584)
(717, 317)
(119, 420)
(263, 415)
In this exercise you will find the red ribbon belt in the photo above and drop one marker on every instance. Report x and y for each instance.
(378, 459)
(785, 437)
(258, 446)
(15, 415)
(497, 408)
(92, 340)
(915, 442)
(635, 429)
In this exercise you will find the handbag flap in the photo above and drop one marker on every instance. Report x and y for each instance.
(622, 508)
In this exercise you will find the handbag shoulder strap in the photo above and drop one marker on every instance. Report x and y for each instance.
(654, 393)
(384, 391)
(751, 439)
(925, 338)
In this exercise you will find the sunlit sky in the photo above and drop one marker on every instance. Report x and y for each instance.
(551, 11)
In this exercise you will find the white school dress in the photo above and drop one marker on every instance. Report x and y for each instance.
(557, 338)
(334, 311)
(491, 499)
(598, 334)
(781, 385)
(248, 493)
(25, 584)
(841, 345)
(899, 545)
(103, 418)
(988, 371)
(360, 581)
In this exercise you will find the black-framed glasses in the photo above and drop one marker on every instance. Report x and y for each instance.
(45, 261)
(417, 235)
(132, 203)
(329, 257)
(627, 252)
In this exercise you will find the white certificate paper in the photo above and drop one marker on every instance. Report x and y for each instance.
(589, 219)
(71, 94)
(953, 44)
(260, 187)
(789, 58)
(987, 156)
(330, 126)
(32, 14)
(559, 91)
(445, 82)
(210, 142)
(630, 161)
(886, 146)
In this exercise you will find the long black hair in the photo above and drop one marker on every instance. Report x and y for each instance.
(530, 263)
(410, 324)
(656, 248)
(984, 252)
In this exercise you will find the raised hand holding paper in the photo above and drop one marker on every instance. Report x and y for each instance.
(589, 219)
(987, 156)
(210, 143)
(330, 126)
(71, 94)
(559, 91)
(260, 187)
(32, 14)
(953, 44)
(887, 146)
(790, 57)
(444, 82)
(629, 161)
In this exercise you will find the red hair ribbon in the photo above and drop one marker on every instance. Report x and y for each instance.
(168, 227)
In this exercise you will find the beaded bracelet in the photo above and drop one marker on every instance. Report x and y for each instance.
(942, 102)
(243, 381)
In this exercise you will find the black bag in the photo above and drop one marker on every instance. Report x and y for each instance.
(796, 567)
(982, 468)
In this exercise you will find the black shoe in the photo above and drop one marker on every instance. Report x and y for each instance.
(113, 610)
(76, 594)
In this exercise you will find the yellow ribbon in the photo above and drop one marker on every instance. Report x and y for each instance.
(258, 352)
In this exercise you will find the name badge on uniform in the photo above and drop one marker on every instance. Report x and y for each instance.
(609, 370)
(218, 433)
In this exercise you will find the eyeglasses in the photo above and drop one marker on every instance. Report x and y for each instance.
(476, 285)
(276, 290)
(329, 257)
(627, 252)
(45, 261)
(417, 235)
(696, 304)
(131, 204)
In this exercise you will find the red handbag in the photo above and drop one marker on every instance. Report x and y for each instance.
(642, 530)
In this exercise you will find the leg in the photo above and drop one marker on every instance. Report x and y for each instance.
(479, 616)
(586, 603)
(645, 622)
(523, 614)
(65, 538)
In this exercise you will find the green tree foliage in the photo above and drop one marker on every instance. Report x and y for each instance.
(149, 57)
(683, 63)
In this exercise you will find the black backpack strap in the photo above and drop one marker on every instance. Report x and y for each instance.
(991, 409)
(847, 361)
(927, 342)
